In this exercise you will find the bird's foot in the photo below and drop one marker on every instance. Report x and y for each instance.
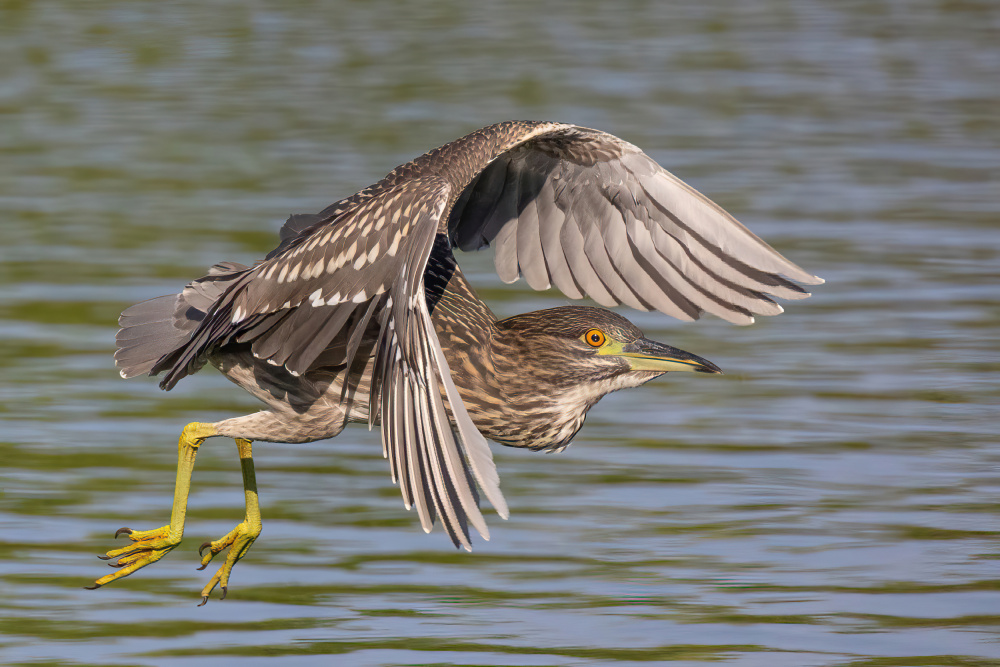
(238, 541)
(148, 546)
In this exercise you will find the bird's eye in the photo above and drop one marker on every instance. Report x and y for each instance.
(595, 337)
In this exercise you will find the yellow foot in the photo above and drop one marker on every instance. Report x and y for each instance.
(238, 541)
(148, 546)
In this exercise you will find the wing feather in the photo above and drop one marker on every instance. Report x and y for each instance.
(584, 274)
(611, 224)
(498, 203)
(596, 246)
(552, 249)
(357, 336)
(530, 258)
(505, 257)
(423, 498)
(679, 288)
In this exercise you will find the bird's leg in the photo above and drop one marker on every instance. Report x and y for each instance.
(149, 546)
(240, 538)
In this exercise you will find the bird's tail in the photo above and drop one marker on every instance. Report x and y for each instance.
(155, 329)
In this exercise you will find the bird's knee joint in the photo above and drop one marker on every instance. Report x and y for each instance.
(195, 433)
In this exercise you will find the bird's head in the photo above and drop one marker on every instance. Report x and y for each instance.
(580, 347)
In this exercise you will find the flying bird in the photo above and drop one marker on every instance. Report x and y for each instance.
(362, 314)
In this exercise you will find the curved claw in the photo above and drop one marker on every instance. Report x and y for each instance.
(202, 547)
(92, 587)
(204, 601)
(238, 542)
(145, 547)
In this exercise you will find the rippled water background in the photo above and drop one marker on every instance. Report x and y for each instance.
(832, 500)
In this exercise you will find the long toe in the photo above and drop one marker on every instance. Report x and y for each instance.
(147, 547)
(238, 541)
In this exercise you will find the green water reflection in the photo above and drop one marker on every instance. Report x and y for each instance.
(832, 500)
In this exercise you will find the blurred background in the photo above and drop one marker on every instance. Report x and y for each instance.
(832, 500)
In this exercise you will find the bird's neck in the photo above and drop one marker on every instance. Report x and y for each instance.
(544, 406)
(510, 404)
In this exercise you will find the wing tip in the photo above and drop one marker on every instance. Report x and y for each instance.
(500, 507)
(740, 319)
(801, 276)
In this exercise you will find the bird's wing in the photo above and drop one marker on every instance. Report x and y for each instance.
(595, 216)
(365, 268)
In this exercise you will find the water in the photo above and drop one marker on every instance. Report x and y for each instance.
(832, 500)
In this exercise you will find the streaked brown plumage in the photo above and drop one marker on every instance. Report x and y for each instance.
(362, 314)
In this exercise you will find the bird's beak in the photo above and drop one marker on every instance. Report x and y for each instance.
(648, 355)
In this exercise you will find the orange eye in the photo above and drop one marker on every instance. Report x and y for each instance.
(595, 337)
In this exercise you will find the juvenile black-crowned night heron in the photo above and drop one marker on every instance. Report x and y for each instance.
(361, 314)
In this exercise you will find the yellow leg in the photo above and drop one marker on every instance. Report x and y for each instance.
(240, 538)
(149, 546)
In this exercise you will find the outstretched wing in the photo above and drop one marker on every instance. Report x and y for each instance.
(594, 216)
(360, 269)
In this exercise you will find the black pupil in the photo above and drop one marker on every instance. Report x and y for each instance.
(596, 337)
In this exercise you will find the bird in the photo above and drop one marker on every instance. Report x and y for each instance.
(361, 314)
